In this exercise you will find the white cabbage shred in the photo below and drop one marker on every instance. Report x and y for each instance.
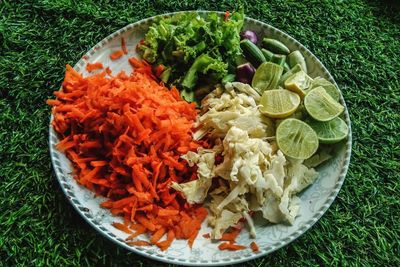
(254, 175)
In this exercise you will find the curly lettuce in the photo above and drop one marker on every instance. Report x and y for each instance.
(195, 49)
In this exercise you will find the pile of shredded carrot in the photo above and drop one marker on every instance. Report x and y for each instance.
(124, 135)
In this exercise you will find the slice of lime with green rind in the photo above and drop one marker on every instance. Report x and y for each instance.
(321, 106)
(279, 103)
(289, 73)
(296, 139)
(298, 82)
(266, 77)
(330, 132)
(329, 87)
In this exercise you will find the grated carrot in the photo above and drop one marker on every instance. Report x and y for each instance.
(94, 66)
(231, 235)
(254, 247)
(123, 46)
(207, 235)
(122, 227)
(139, 243)
(116, 54)
(230, 246)
(125, 135)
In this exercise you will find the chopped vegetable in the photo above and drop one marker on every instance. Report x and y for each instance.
(297, 58)
(289, 73)
(188, 96)
(116, 54)
(202, 65)
(227, 15)
(229, 246)
(321, 106)
(207, 235)
(245, 73)
(298, 82)
(228, 79)
(279, 103)
(253, 175)
(139, 243)
(267, 54)
(94, 66)
(318, 158)
(296, 139)
(329, 87)
(254, 247)
(275, 46)
(125, 135)
(250, 35)
(267, 77)
(230, 235)
(279, 60)
(252, 53)
(330, 132)
(179, 41)
(123, 46)
(122, 227)
(286, 67)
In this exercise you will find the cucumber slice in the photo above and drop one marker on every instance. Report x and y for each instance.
(275, 46)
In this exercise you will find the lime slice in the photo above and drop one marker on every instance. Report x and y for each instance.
(330, 132)
(296, 139)
(279, 103)
(289, 73)
(322, 155)
(298, 83)
(321, 106)
(329, 87)
(266, 77)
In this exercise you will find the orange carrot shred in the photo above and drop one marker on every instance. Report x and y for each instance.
(138, 227)
(157, 235)
(123, 46)
(229, 246)
(146, 223)
(159, 70)
(116, 54)
(167, 212)
(139, 243)
(136, 234)
(231, 235)
(163, 245)
(53, 102)
(99, 163)
(227, 15)
(254, 247)
(122, 227)
(207, 235)
(94, 66)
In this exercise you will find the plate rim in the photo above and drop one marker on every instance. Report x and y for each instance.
(62, 180)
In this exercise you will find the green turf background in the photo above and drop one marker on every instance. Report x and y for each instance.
(358, 41)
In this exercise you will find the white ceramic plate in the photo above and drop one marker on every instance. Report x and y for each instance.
(315, 200)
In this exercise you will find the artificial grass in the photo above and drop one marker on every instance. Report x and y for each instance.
(358, 41)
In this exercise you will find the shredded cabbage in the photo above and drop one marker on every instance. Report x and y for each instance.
(254, 175)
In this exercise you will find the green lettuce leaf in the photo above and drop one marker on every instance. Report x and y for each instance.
(197, 49)
(203, 64)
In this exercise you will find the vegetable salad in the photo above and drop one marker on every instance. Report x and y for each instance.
(212, 116)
